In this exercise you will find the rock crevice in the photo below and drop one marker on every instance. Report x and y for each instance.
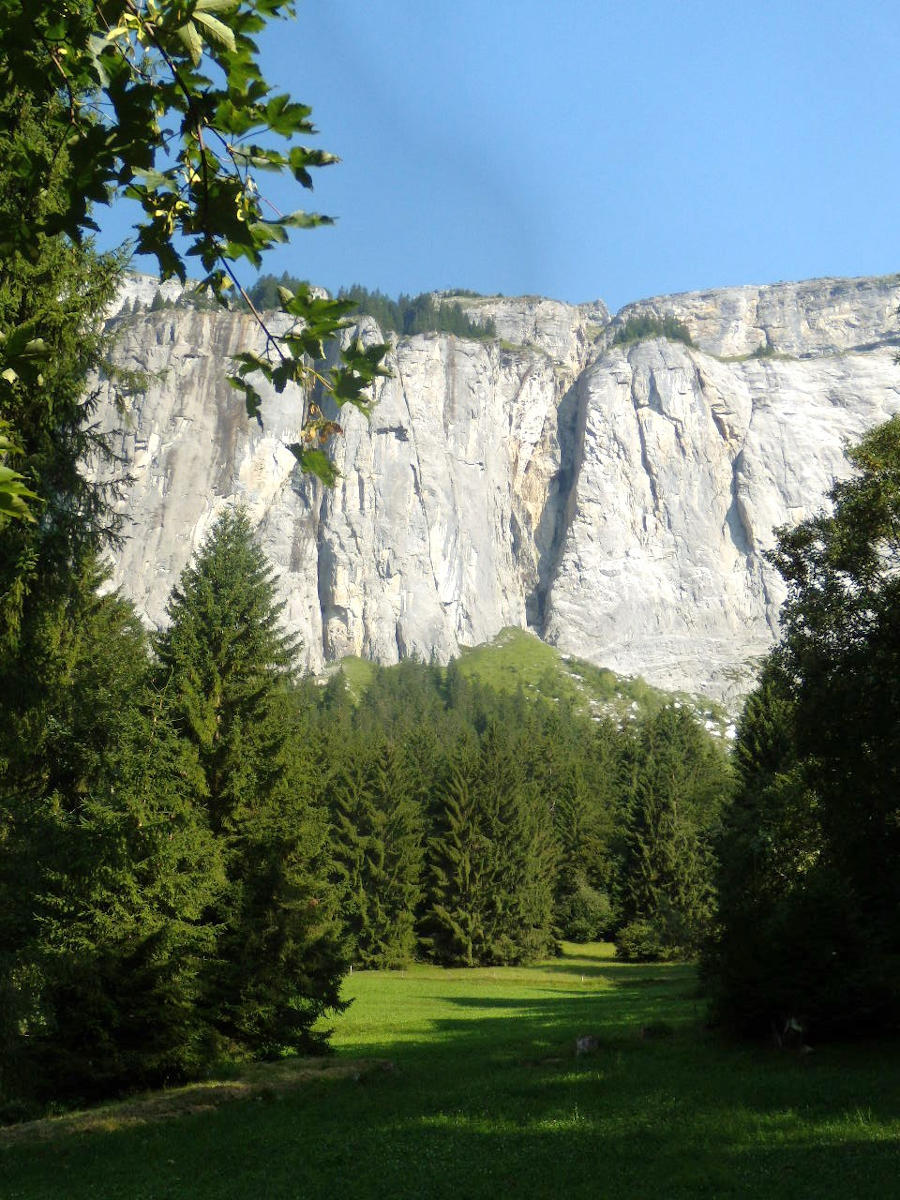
(617, 500)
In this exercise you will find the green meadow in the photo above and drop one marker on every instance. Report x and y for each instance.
(466, 1084)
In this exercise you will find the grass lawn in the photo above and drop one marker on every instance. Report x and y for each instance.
(489, 1100)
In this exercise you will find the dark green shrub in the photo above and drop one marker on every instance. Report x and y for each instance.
(643, 940)
(586, 914)
(808, 882)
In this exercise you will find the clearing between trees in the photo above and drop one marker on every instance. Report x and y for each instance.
(487, 1096)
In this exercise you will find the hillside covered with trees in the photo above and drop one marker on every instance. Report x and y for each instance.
(198, 844)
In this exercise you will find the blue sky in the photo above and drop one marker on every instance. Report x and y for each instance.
(583, 149)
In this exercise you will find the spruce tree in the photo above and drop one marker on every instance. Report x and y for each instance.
(575, 765)
(107, 870)
(582, 907)
(519, 828)
(378, 853)
(492, 857)
(224, 667)
(222, 659)
(680, 785)
(461, 870)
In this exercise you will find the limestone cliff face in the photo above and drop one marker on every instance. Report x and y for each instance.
(688, 465)
(439, 529)
(616, 500)
(808, 319)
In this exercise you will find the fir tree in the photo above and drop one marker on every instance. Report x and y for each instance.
(107, 871)
(378, 853)
(680, 786)
(221, 661)
(461, 867)
(492, 859)
(524, 853)
(582, 907)
(575, 766)
(224, 667)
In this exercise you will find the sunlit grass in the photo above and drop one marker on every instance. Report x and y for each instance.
(488, 1098)
(517, 659)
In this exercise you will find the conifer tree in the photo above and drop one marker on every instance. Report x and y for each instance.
(575, 766)
(582, 907)
(378, 853)
(491, 862)
(221, 661)
(680, 785)
(224, 665)
(520, 830)
(107, 870)
(461, 867)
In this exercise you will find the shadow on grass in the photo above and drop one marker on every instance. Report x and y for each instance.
(492, 1025)
(630, 1122)
(489, 1098)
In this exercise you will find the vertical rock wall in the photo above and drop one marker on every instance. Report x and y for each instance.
(617, 500)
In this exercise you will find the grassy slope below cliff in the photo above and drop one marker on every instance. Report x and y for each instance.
(517, 659)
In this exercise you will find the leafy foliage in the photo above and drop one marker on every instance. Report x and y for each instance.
(809, 848)
(165, 103)
(51, 306)
(163, 857)
(14, 494)
(264, 294)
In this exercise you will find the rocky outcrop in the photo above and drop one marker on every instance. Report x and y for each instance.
(805, 320)
(688, 465)
(439, 529)
(569, 335)
(617, 500)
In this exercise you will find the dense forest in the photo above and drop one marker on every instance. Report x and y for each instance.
(199, 843)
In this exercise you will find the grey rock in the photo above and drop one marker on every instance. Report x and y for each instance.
(815, 317)
(617, 501)
(689, 464)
